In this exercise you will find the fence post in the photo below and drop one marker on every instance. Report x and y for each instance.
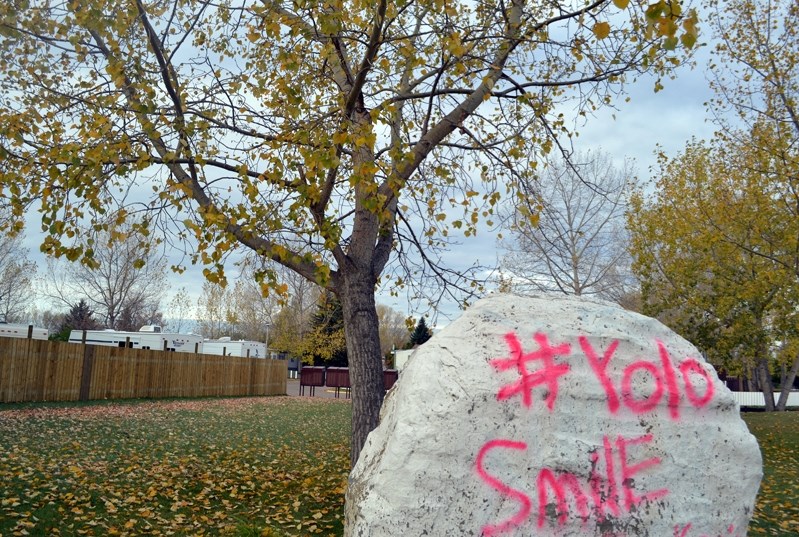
(196, 348)
(165, 344)
(86, 374)
(30, 331)
(83, 338)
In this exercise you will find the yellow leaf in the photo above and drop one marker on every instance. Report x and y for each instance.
(621, 4)
(601, 30)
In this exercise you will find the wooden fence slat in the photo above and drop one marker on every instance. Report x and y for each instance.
(36, 370)
(86, 374)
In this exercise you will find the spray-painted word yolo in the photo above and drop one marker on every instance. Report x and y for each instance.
(608, 490)
(662, 374)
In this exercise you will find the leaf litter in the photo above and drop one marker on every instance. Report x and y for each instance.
(239, 466)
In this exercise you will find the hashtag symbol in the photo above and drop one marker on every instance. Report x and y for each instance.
(548, 373)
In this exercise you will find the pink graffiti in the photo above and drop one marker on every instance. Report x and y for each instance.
(548, 374)
(597, 497)
(683, 531)
(600, 366)
(502, 488)
(663, 377)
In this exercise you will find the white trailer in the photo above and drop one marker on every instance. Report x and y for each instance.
(140, 340)
(21, 331)
(225, 346)
(401, 358)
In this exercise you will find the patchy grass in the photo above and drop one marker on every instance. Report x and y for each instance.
(257, 466)
(777, 509)
(250, 467)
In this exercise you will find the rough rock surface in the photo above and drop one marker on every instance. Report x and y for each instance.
(553, 416)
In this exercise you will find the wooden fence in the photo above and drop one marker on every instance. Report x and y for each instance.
(37, 370)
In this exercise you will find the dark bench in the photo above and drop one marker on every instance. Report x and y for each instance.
(311, 376)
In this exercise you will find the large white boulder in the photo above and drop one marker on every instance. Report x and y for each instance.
(559, 416)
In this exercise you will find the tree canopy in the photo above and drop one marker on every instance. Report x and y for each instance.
(716, 251)
(321, 135)
(123, 283)
(577, 244)
(717, 247)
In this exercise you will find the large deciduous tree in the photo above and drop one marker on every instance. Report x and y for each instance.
(306, 132)
(575, 242)
(123, 281)
(756, 81)
(714, 254)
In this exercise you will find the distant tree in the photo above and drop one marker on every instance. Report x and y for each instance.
(420, 334)
(179, 310)
(755, 78)
(325, 343)
(569, 234)
(754, 72)
(16, 276)
(49, 319)
(134, 315)
(716, 252)
(393, 329)
(256, 305)
(216, 316)
(293, 321)
(122, 275)
(79, 317)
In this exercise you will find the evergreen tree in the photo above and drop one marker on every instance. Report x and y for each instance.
(325, 344)
(420, 334)
(80, 317)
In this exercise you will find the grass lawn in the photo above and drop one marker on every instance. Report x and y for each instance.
(244, 467)
(777, 509)
(250, 466)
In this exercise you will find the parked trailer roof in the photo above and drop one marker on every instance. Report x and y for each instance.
(139, 340)
(227, 347)
(21, 331)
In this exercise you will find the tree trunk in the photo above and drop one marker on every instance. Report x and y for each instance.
(363, 353)
(787, 384)
(765, 383)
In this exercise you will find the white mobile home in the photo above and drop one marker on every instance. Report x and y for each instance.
(226, 347)
(21, 331)
(148, 339)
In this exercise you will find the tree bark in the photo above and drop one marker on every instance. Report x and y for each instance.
(356, 292)
(787, 384)
(765, 383)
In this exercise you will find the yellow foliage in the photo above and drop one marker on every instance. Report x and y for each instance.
(601, 30)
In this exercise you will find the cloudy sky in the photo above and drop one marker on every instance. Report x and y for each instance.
(634, 130)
